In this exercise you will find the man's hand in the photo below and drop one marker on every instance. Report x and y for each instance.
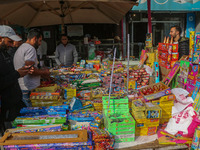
(46, 74)
(23, 71)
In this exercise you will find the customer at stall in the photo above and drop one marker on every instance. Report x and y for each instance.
(26, 55)
(66, 54)
(117, 46)
(183, 42)
(13, 49)
(10, 93)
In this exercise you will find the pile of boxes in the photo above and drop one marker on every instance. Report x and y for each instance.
(165, 103)
(117, 82)
(167, 54)
(140, 76)
(46, 96)
(118, 120)
(146, 116)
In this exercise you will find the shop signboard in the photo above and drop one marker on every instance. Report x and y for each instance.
(190, 23)
(169, 5)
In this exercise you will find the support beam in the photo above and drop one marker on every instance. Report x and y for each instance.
(35, 15)
(77, 8)
(52, 9)
(69, 7)
(30, 5)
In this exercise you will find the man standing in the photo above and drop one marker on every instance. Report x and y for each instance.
(183, 42)
(10, 93)
(26, 55)
(42, 53)
(66, 54)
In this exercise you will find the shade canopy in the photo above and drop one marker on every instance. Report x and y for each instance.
(31, 13)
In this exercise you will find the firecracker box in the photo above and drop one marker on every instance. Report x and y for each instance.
(44, 139)
(143, 123)
(98, 92)
(156, 73)
(58, 93)
(69, 93)
(192, 44)
(137, 105)
(151, 58)
(197, 87)
(116, 105)
(167, 80)
(146, 131)
(153, 111)
(120, 124)
(155, 91)
(195, 58)
(197, 41)
(138, 114)
(196, 103)
(50, 88)
(167, 97)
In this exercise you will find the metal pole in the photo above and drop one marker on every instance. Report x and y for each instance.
(128, 55)
(132, 39)
(111, 78)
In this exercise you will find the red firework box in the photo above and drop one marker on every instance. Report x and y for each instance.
(155, 91)
(167, 54)
(140, 76)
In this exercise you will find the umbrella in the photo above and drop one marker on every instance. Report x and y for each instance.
(31, 13)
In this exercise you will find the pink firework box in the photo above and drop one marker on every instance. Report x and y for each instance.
(171, 73)
(193, 73)
(192, 77)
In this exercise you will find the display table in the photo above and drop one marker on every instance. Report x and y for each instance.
(131, 63)
(147, 142)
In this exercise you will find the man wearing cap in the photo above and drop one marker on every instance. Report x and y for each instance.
(10, 93)
(26, 55)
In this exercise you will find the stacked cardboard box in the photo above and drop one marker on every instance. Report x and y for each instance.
(167, 54)
(117, 82)
(140, 76)
(146, 116)
(166, 103)
(118, 120)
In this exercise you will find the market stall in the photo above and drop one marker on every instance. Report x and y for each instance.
(108, 105)
(104, 103)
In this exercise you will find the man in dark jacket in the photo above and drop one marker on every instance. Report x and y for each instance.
(10, 92)
(183, 42)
